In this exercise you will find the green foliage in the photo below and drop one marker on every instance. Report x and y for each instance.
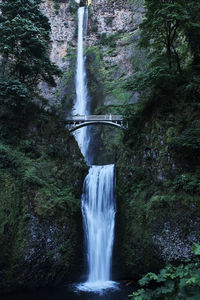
(108, 40)
(13, 92)
(10, 210)
(73, 7)
(24, 49)
(50, 202)
(196, 249)
(30, 148)
(146, 201)
(41, 168)
(34, 182)
(24, 42)
(10, 159)
(170, 73)
(56, 5)
(187, 182)
(192, 30)
(42, 162)
(158, 169)
(188, 143)
(66, 94)
(181, 282)
(162, 31)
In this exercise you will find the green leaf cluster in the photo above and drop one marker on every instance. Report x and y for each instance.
(181, 282)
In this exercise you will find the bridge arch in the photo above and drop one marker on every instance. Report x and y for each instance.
(76, 122)
(88, 123)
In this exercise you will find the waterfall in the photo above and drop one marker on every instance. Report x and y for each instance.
(98, 201)
(98, 209)
(81, 106)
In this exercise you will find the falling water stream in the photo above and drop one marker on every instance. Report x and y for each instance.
(81, 106)
(98, 209)
(98, 201)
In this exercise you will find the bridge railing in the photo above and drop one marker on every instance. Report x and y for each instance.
(107, 117)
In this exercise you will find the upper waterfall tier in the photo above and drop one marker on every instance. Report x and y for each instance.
(81, 106)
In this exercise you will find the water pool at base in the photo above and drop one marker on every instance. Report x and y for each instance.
(67, 292)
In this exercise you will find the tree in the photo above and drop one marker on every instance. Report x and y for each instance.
(170, 35)
(192, 30)
(162, 30)
(24, 43)
(24, 62)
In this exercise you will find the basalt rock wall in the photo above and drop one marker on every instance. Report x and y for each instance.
(111, 37)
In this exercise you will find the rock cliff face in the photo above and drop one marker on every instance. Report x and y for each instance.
(63, 26)
(106, 17)
(62, 18)
(120, 20)
(112, 34)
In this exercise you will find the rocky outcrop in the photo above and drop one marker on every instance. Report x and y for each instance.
(106, 17)
(121, 20)
(63, 27)
(62, 18)
(112, 35)
(173, 241)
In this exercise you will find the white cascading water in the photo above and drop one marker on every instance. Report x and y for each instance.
(98, 201)
(98, 209)
(81, 103)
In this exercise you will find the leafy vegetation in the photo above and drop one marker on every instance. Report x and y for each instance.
(41, 168)
(181, 282)
(172, 64)
(24, 43)
(167, 85)
(108, 40)
(158, 165)
(188, 143)
(24, 49)
(36, 181)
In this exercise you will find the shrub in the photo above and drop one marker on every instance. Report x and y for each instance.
(188, 144)
(181, 282)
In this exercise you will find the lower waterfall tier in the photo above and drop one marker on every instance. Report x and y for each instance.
(98, 209)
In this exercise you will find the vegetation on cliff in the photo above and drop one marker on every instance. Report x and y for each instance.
(158, 169)
(41, 168)
(173, 282)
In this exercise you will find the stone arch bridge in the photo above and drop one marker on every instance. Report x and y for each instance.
(76, 122)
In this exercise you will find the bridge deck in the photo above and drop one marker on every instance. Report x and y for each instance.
(76, 122)
(86, 118)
